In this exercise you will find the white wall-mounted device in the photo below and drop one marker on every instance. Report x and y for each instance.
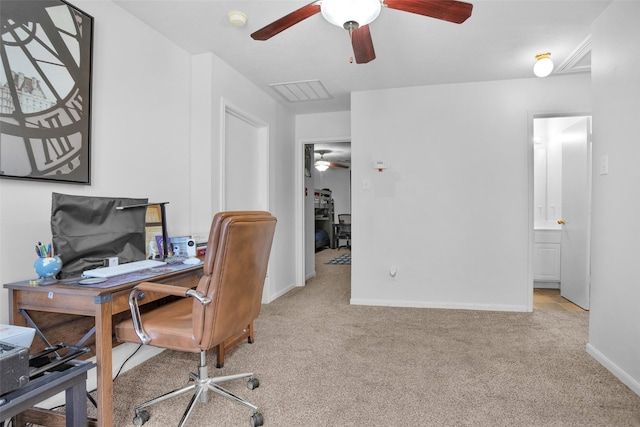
(380, 165)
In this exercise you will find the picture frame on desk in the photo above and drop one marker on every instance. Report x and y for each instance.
(45, 119)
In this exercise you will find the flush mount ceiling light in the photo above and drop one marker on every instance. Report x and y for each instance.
(350, 14)
(322, 164)
(544, 65)
(237, 18)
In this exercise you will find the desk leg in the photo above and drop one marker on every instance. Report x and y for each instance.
(76, 404)
(104, 362)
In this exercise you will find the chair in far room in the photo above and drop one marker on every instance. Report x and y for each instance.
(344, 230)
(228, 297)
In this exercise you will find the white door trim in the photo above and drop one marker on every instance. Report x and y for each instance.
(299, 200)
(263, 136)
(264, 164)
(531, 204)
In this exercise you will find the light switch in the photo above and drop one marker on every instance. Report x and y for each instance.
(366, 184)
(604, 165)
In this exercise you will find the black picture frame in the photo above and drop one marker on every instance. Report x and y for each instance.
(46, 59)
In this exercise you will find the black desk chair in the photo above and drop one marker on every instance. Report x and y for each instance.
(344, 230)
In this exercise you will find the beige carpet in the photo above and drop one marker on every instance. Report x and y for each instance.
(322, 362)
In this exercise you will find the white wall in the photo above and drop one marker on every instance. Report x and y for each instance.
(614, 327)
(140, 138)
(453, 209)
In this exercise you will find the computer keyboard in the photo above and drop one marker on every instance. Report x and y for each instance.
(117, 270)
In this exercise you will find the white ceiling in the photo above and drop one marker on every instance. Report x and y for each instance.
(499, 41)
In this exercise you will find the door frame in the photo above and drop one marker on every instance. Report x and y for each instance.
(300, 197)
(531, 204)
(263, 155)
(264, 172)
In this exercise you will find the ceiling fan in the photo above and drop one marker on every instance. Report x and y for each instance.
(355, 16)
(322, 165)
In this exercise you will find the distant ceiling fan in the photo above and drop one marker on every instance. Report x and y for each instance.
(355, 16)
(322, 165)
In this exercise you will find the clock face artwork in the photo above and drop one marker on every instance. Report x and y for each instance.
(45, 88)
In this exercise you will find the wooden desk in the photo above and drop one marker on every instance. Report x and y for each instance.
(99, 303)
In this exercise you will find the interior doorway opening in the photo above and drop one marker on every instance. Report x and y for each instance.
(331, 175)
(334, 181)
(244, 167)
(562, 205)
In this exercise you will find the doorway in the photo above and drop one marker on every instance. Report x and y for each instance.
(244, 167)
(562, 205)
(305, 184)
(245, 162)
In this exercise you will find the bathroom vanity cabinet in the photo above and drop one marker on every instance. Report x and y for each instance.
(546, 258)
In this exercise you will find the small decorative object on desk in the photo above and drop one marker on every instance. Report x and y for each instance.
(47, 265)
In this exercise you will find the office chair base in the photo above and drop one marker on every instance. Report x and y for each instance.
(202, 383)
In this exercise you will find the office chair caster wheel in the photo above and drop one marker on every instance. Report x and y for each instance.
(253, 383)
(141, 418)
(256, 419)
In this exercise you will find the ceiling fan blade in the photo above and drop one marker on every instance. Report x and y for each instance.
(338, 165)
(286, 21)
(447, 10)
(362, 45)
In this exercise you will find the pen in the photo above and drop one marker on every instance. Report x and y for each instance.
(43, 251)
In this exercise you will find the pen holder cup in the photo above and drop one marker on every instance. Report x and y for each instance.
(47, 268)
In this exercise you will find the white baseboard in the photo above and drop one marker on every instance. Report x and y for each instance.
(282, 292)
(120, 354)
(618, 372)
(546, 285)
(432, 304)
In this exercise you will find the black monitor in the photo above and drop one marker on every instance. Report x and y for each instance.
(87, 230)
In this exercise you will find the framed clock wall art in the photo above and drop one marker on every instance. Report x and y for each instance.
(45, 84)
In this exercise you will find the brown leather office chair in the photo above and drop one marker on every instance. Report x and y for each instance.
(228, 297)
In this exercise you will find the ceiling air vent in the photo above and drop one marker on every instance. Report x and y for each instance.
(307, 90)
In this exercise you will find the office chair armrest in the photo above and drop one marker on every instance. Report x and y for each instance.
(177, 291)
(160, 288)
(137, 293)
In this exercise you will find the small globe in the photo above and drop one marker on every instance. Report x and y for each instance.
(48, 267)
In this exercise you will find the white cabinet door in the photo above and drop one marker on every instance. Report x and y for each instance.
(546, 258)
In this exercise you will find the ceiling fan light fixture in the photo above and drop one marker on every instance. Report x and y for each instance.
(322, 165)
(544, 65)
(345, 12)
